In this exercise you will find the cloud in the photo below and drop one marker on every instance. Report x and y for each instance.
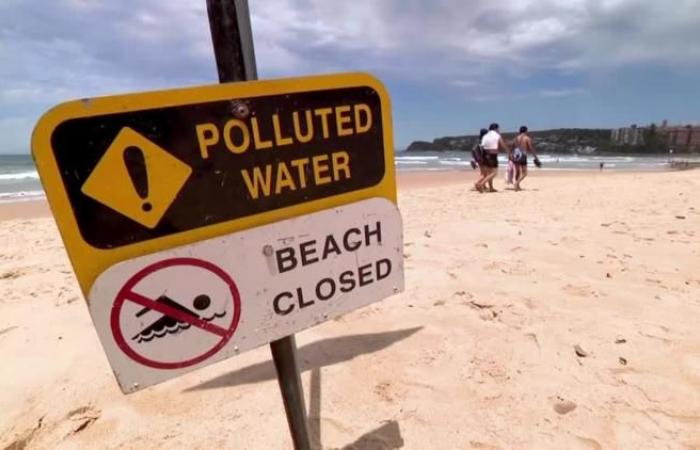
(464, 83)
(542, 93)
(51, 50)
(449, 35)
(12, 141)
(561, 92)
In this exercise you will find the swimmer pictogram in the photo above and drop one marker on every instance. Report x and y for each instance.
(170, 325)
(181, 326)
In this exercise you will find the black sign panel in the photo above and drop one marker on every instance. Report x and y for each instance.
(246, 155)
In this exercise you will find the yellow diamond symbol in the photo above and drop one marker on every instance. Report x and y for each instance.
(137, 178)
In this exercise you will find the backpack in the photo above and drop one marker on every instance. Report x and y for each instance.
(478, 153)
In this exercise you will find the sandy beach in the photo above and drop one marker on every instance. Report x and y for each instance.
(563, 316)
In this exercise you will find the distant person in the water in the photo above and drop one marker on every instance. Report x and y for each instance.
(601, 165)
(522, 146)
(492, 142)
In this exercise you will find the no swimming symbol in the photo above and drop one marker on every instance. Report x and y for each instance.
(182, 326)
(175, 318)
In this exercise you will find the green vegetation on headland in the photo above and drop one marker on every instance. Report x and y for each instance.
(567, 140)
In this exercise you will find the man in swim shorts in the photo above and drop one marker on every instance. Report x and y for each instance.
(522, 145)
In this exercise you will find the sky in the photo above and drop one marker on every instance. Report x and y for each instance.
(451, 67)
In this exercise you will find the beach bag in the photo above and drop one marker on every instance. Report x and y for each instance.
(519, 156)
(510, 173)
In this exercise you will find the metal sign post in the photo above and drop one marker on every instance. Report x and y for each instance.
(232, 39)
(284, 354)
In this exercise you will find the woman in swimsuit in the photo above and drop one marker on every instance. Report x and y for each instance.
(478, 159)
(491, 143)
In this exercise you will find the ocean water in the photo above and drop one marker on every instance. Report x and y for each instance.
(19, 179)
(451, 160)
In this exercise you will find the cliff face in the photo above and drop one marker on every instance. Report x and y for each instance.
(565, 140)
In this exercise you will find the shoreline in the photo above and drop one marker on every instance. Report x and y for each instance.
(25, 209)
(30, 208)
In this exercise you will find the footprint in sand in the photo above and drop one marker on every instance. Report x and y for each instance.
(82, 418)
(654, 331)
(7, 330)
(488, 370)
(483, 445)
(467, 295)
(23, 439)
(583, 290)
(12, 274)
(516, 268)
(569, 240)
(388, 391)
(429, 357)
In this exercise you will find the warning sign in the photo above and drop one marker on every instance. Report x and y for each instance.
(130, 175)
(164, 314)
(136, 178)
(175, 313)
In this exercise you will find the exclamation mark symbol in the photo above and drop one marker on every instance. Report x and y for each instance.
(135, 162)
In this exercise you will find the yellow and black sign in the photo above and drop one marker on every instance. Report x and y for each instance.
(133, 174)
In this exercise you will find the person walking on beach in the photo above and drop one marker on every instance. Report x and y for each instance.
(491, 143)
(478, 159)
(522, 145)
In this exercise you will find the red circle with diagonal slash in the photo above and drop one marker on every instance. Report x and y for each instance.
(126, 293)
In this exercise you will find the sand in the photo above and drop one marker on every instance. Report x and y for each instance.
(564, 316)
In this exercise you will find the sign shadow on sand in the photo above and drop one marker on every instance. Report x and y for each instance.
(325, 352)
(385, 437)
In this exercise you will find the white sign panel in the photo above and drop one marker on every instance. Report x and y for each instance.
(167, 313)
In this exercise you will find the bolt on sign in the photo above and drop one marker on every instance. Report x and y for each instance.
(167, 201)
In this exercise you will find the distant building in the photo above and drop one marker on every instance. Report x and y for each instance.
(683, 136)
(632, 135)
(679, 136)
